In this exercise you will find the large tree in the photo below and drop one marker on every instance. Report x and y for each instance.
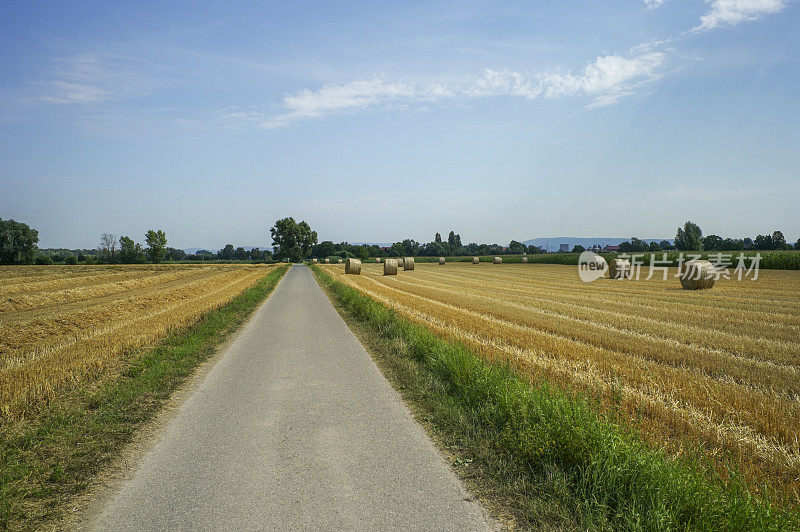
(156, 245)
(17, 242)
(689, 238)
(292, 240)
(108, 247)
(129, 251)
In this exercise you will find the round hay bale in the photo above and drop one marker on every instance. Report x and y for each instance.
(497, 260)
(352, 266)
(399, 263)
(379, 260)
(327, 261)
(524, 259)
(390, 267)
(314, 261)
(697, 275)
(441, 261)
(619, 269)
(408, 263)
(338, 261)
(476, 260)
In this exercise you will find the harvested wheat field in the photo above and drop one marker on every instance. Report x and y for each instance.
(63, 325)
(716, 370)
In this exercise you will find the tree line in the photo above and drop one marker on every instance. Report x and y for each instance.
(296, 241)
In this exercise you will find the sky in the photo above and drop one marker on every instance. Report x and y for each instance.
(377, 121)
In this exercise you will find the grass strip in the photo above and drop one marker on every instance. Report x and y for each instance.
(537, 454)
(48, 459)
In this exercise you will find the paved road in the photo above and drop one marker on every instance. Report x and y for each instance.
(293, 428)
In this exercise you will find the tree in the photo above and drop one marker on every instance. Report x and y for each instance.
(515, 248)
(437, 238)
(665, 245)
(655, 246)
(578, 249)
(129, 251)
(176, 254)
(454, 240)
(778, 241)
(712, 242)
(763, 242)
(17, 242)
(108, 247)
(690, 238)
(70, 259)
(797, 244)
(240, 253)
(292, 240)
(156, 245)
(226, 253)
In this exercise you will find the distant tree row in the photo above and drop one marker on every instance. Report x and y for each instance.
(297, 241)
(690, 238)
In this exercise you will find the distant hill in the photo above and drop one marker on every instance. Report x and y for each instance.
(553, 243)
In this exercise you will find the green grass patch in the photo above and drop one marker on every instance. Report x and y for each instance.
(539, 454)
(51, 457)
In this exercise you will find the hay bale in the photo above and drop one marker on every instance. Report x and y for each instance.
(408, 263)
(352, 266)
(619, 269)
(524, 259)
(314, 261)
(327, 261)
(379, 260)
(476, 260)
(697, 275)
(338, 261)
(497, 260)
(441, 261)
(399, 263)
(390, 267)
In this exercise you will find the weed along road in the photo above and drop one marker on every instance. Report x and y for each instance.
(293, 428)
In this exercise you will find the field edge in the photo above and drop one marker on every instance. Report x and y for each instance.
(51, 459)
(538, 456)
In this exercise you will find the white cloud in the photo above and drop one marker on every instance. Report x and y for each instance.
(95, 77)
(605, 80)
(730, 12)
(652, 4)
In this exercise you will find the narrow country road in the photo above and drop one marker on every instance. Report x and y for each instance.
(293, 428)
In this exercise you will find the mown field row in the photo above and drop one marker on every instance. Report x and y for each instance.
(716, 371)
(66, 326)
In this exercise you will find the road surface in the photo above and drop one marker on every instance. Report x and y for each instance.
(293, 428)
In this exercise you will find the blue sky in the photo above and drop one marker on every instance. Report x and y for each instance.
(377, 121)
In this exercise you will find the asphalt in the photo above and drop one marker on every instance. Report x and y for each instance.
(293, 428)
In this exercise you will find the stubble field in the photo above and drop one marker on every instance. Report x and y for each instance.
(67, 325)
(712, 374)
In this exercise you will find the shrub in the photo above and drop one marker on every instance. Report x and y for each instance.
(43, 260)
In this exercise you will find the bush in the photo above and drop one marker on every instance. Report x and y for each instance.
(43, 260)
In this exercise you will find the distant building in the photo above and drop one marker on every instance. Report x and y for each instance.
(597, 248)
(611, 249)
(563, 248)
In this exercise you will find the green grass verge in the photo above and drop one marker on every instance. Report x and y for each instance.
(53, 456)
(541, 455)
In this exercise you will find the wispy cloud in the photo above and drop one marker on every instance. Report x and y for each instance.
(95, 77)
(652, 4)
(605, 80)
(730, 12)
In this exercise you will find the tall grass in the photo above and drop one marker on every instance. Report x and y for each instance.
(538, 441)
